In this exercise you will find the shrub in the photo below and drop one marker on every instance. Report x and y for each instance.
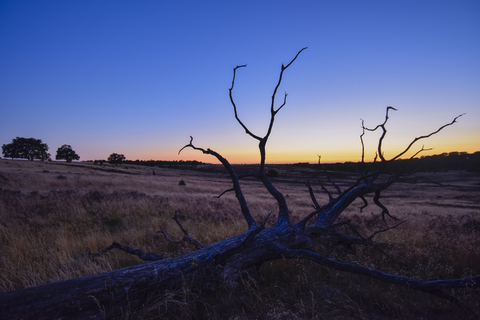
(272, 173)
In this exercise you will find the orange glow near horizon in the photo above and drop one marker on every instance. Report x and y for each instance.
(310, 157)
(281, 150)
(102, 90)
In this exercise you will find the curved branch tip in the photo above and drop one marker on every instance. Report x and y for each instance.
(187, 145)
(240, 66)
(455, 119)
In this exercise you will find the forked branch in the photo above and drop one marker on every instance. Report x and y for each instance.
(384, 132)
(283, 215)
(233, 176)
(223, 257)
(273, 112)
(426, 136)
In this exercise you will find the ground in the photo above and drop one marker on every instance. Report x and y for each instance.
(55, 218)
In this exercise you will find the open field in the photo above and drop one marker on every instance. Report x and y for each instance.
(55, 218)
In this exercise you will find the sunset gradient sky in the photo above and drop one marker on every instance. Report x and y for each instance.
(140, 77)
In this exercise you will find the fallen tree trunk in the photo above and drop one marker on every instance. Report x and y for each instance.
(113, 293)
(129, 289)
(223, 263)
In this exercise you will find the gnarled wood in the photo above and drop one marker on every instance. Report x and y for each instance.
(222, 263)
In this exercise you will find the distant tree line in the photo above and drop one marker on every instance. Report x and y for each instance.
(31, 149)
(445, 162)
(114, 159)
(164, 163)
(437, 163)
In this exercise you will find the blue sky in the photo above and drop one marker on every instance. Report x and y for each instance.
(140, 77)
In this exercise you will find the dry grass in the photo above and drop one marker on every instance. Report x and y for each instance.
(54, 217)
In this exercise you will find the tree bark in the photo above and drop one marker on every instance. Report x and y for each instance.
(130, 289)
(114, 293)
(223, 263)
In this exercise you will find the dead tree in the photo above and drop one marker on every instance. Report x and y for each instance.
(223, 263)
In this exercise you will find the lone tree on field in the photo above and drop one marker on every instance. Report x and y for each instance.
(26, 148)
(116, 158)
(66, 152)
(225, 262)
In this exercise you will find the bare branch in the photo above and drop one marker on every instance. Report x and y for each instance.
(329, 178)
(361, 140)
(240, 176)
(288, 65)
(168, 238)
(186, 236)
(330, 198)
(362, 186)
(283, 215)
(134, 251)
(382, 126)
(419, 151)
(431, 287)
(247, 131)
(221, 194)
(283, 104)
(384, 230)
(425, 136)
(312, 195)
(235, 180)
(349, 224)
(365, 203)
(384, 132)
(385, 211)
(273, 112)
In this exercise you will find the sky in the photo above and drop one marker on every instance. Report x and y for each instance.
(141, 77)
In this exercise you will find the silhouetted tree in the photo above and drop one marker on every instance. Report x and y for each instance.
(116, 158)
(26, 148)
(66, 152)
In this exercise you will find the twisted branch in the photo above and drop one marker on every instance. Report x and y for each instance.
(283, 215)
(233, 176)
(431, 287)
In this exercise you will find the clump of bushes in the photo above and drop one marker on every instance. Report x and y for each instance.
(182, 183)
(272, 173)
